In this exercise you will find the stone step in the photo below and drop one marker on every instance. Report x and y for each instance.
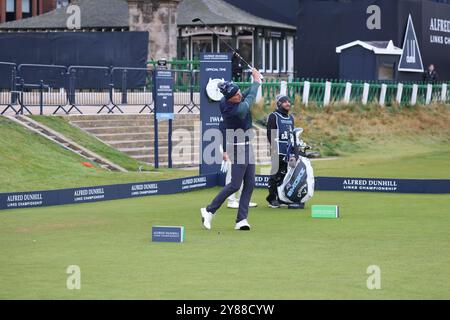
(149, 131)
(111, 130)
(125, 137)
(176, 155)
(164, 158)
(190, 117)
(131, 148)
(163, 149)
(163, 162)
(162, 136)
(134, 136)
(130, 123)
(132, 145)
(161, 142)
(144, 144)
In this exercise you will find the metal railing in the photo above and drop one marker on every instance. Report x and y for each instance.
(110, 89)
(113, 89)
(8, 93)
(123, 95)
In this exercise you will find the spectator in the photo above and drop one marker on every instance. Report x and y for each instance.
(430, 75)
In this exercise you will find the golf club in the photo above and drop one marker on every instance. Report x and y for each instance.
(195, 20)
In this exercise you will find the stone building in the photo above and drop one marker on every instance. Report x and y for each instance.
(11, 10)
(266, 44)
(159, 18)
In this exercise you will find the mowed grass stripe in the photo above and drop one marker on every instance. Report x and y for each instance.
(287, 255)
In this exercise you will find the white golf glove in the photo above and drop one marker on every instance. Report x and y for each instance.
(224, 167)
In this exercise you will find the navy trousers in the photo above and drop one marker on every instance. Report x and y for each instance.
(242, 170)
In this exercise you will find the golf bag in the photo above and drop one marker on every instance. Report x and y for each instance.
(298, 184)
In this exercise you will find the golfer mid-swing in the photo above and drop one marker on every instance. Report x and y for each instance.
(235, 110)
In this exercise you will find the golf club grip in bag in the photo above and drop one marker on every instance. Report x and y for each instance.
(298, 184)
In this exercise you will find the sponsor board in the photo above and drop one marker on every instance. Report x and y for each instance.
(104, 193)
(214, 68)
(16, 200)
(167, 234)
(435, 186)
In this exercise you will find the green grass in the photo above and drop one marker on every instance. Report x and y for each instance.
(287, 255)
(63, 126)
(400, 159)
(29, 162)
(340, 130)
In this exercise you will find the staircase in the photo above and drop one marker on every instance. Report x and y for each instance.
(134, 135)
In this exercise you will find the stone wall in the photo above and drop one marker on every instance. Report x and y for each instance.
(159, 18)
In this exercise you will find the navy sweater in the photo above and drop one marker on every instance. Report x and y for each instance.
(237, 115)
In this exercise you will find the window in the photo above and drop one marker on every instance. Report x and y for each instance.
(10, 6)
(260, 53)
(262, 50)
(26, 8)
(10, 10)
(222, 47)
(245, 46)
(386, 71)
(283, 55)
(268, 55)
(184, 54)
(290, 54)
(275, 56)
(200, 45)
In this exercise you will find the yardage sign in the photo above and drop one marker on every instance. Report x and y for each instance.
(163, 93)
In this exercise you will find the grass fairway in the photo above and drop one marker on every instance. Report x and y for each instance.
(30, 162)
(287, 255)
(62, 125)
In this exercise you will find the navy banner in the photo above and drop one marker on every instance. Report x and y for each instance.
(383, 185)
(373, 185)
(119, 49)
(33, 199)
(103, 193)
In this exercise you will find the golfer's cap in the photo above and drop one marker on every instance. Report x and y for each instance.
(228, 89)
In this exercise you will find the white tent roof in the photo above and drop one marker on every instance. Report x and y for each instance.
(378, 47)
